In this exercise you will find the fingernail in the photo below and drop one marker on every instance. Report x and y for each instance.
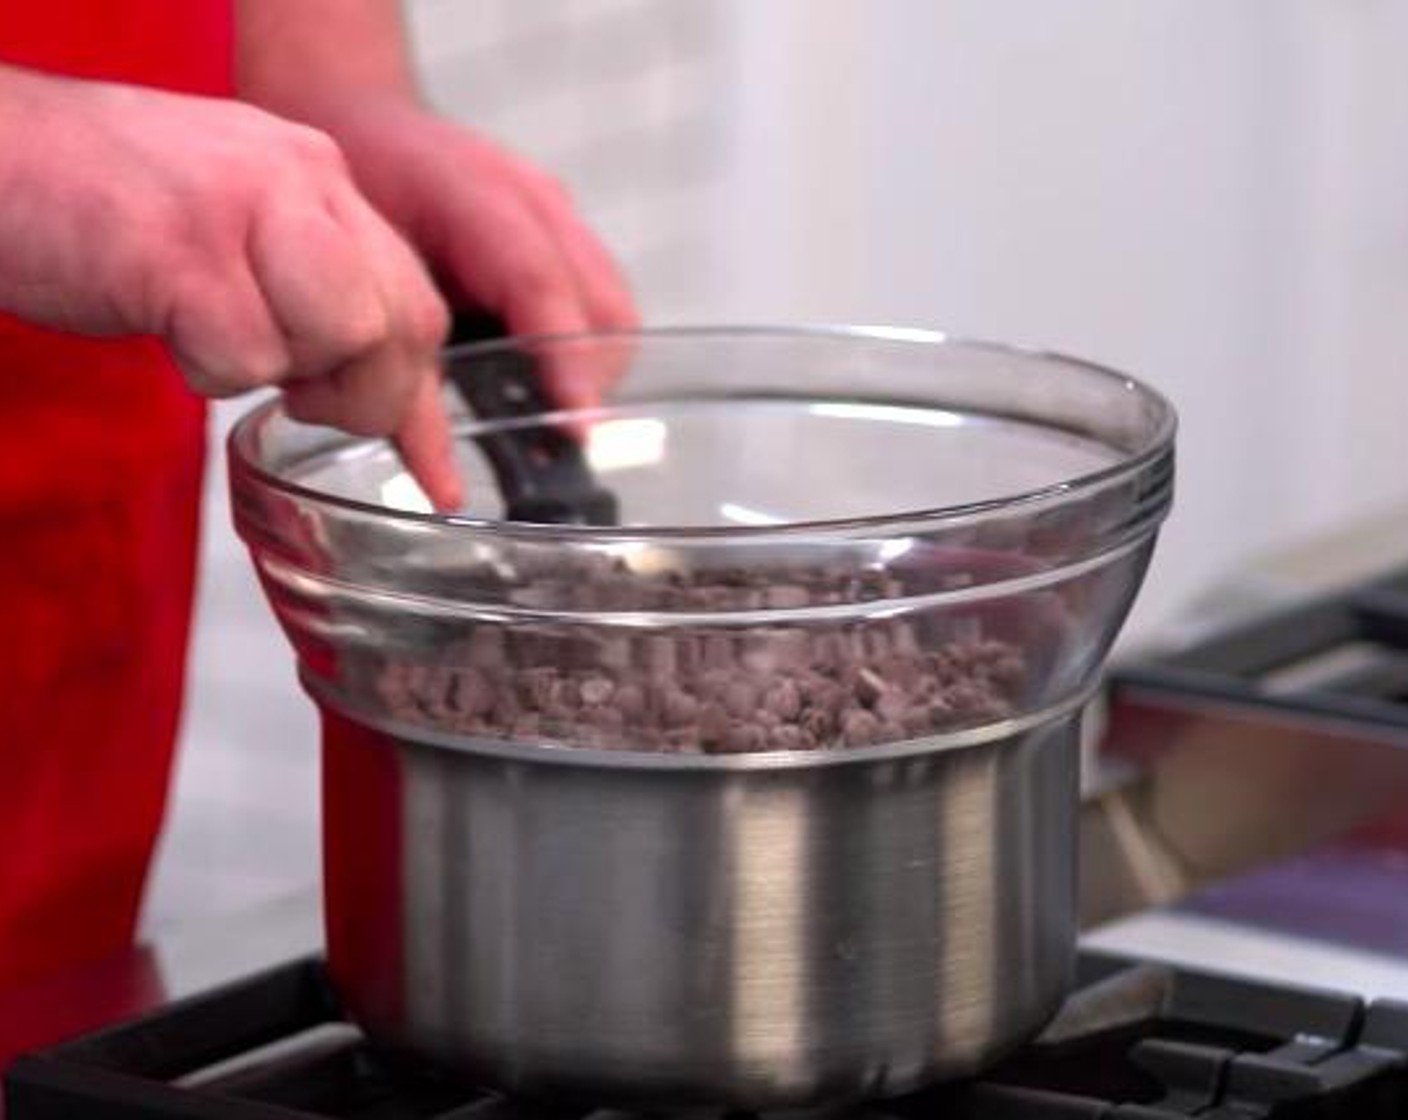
(449, 496)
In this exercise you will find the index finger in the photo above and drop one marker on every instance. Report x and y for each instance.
(427, 445)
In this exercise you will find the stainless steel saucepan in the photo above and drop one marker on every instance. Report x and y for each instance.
(566, 849)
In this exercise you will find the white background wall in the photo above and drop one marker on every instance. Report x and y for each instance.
(1210, 196)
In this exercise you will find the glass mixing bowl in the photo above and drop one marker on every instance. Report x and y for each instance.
(828, 539)
(764, 797)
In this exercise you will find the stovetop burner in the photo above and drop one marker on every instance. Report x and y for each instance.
(1136, 1041)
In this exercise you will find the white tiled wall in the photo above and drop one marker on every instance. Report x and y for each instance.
(1211, 196)
(618, 97)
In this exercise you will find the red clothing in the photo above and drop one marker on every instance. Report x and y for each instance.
(100, 478)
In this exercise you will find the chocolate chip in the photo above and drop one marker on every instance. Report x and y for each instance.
(661, 654)
(783, 700)
(609, 721)
(683, 740)
(1009, 670)
(786, 597)
(818, 723)
(712, 689)
(892, 707)
(679, 708)
(876, 642)
(905, 641)
(713, 722)
(899, 671)
(714, 684)
(789, 737)
(564, 696)
(614, 652)
(596, 690)
(869, 687)
(535, 687)
(860, 728)
(742, 738)
(791, 648)
(916, 721)
(475, 696)
(718, 652)
(741, 699)
(630, 701)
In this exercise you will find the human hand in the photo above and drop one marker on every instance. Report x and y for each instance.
(500, 234)
(239, 238)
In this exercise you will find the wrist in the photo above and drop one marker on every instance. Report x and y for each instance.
(352, 114)
(21, 97)
(32, 130)
(340, 109)
(309, 61)
(382, 135)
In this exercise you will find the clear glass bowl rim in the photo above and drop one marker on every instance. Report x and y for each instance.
(244, 460)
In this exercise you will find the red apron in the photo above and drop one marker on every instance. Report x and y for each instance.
(100, 475)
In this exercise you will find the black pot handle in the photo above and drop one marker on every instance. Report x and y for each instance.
(541, 471)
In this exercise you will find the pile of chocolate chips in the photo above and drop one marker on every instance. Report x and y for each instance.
(715, 689)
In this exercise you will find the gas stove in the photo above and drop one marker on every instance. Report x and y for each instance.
(1136, 1041)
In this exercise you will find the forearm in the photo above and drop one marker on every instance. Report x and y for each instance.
(16, 98)
(53, 162)
(306, 59)
(21, 100)
(27, 101)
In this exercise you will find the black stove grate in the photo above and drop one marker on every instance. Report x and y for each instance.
(1341, 657)
(1135, 1042)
